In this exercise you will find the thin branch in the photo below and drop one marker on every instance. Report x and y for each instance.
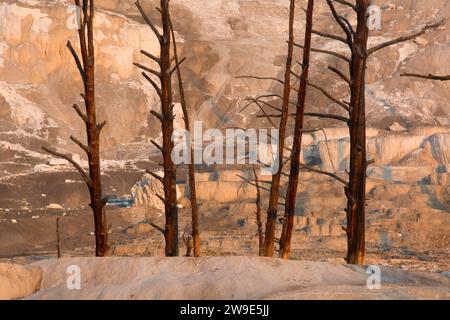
(261, 78)
(157, 227)
(428, 76)
(148, 21)
(80, 113)
(153, 83)
(151, 56)
(80, 144)
(340, 21)
(252, 183)
(177, 66)
(332, 53)
(328, 116)
(156, 73)
(100, 126)
(336, 177)
(157, 115)
(68, 158)
(154, 175)
(77, 61)
(404, 38)
(341, 75)
(329, 36)
(329, 96)
(156, 145)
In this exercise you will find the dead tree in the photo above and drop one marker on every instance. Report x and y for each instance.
(289, 208)
(187, 240)
(259, 222)
(58, 239)
(92, 179)
(272, 211)
(356, 40)
(166, 117)
(191, 166)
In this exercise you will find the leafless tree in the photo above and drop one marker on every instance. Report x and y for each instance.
(92, 179)
(166, 117)
(272, 211)
(289, 212)
(191, 166)
(356, 39)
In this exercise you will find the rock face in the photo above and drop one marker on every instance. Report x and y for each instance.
(40, 81)
(230, 278)
(17, 281)
(145, 191)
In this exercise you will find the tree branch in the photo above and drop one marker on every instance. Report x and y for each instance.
(153, 83)
(336, 177)
(331, 53)
(428, 76)
(328, 116)
(329, 36)
(177, 65)
(68, 158)
(158, 228)
(156, 73)
(151, 56)
(148, 21)
(341, 75)
(80, 144)
(80, 113)
(329, 96)
(156, 176)
(404, 38)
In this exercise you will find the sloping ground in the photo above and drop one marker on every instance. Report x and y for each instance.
(17, 281)
(230, 278)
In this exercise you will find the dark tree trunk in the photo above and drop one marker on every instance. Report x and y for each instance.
(269, 240)
(259, 222)
(170, 192)
(191, 166)
(166, 118)
(288, 221)
(86, 66)
(356, 189)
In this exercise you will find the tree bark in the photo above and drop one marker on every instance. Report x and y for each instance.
(169, 180)
(191, 166)
(289, 213)
(259, 222)
(269, 240)
(86, 67)
(356, 189)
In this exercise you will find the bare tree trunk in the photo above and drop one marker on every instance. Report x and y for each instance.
(86, 66)
(269, 240)
(58, 239)
(356, 189)
(166, 118)
(191, 166)
(289, 213)
(258, 214)
(171, 231)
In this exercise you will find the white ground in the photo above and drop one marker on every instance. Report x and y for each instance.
(227, 278)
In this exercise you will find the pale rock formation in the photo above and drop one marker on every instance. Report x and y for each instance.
(230, 278)
(145, 191)
(17, 281)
